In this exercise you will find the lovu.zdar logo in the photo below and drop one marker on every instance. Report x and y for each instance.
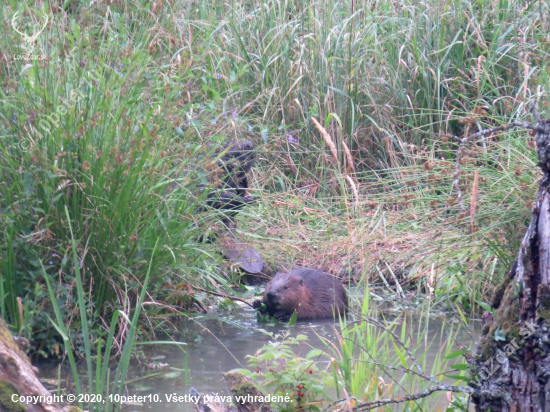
(29, 39)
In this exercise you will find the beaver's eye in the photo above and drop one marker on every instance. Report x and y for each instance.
(286, 287)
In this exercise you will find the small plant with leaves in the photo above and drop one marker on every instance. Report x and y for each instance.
(280, 372)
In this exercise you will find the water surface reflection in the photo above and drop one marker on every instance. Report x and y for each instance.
(215, 347)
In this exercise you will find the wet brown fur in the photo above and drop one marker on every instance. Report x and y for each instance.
(311, 292)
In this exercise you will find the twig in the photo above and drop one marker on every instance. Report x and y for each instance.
(397, 285)
(396, 368)
(375, 404)
(534, 111)
(221, 295)
(437, 134)
(384, 279)
(339, 401)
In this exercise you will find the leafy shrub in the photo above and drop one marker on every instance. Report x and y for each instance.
(280, 372)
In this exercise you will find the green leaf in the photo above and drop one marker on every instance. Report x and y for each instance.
(400, 355)
(461, 313)
(314, 353)
(63, 335)
(456, 353)
(293, 319)
(485, 306)
(458, 377)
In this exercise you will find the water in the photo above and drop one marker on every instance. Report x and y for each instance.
(214, 347)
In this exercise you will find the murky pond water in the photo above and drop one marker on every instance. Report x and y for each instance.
(214, 347)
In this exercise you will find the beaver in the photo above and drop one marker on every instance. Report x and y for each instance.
(311, 292)
(228, 183)
(237, 160)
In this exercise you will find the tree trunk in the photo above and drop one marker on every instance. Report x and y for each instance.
(18, 381)
(511, 371)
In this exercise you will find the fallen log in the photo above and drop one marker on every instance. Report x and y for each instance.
(20, 388)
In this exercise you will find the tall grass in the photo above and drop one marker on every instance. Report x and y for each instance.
(100, 394)
(375, 71)
(80, 131)
(377, 75)
(157, 82)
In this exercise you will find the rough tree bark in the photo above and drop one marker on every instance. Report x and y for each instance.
(511, 371)
(18, 378)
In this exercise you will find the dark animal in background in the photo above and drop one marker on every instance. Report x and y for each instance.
(310, 292)
(230, 193)
(228, 186)
(229, 182)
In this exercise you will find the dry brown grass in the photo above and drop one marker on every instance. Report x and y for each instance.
(406, 219)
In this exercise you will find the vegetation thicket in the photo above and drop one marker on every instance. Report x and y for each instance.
(353, 105)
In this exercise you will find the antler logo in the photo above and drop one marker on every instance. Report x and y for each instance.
(28, 39)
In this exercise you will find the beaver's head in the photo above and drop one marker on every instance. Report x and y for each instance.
(239, 153)
(285, 292)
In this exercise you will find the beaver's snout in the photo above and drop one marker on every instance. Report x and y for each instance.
(271, 298)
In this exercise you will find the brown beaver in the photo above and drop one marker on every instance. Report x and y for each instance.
(310, 292)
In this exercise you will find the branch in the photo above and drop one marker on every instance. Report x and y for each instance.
(534, 112)
(221, 295)
(375, 404)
